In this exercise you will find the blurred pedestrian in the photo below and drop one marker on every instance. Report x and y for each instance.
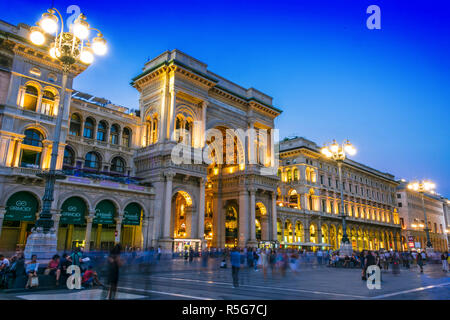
(114, 264)
(444, 257)
(419, 260)
(235, 258)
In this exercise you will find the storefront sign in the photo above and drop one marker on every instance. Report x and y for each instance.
(21, 206)
(417, 245)
(73, 211)
(105, 212)
(132, 215)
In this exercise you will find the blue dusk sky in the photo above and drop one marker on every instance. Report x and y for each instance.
(387, 90)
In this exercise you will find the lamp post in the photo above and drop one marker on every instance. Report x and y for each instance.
(422, 187)
(338, 153)
(69, 47)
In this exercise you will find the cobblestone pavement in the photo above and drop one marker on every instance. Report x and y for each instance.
(183, 280)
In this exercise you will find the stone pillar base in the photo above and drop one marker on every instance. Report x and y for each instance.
(345, 249)
(252, 243)
(43, 245)
(166, 246)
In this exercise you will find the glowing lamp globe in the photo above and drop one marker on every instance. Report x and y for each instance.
(81, 28)
(54, 52)
(49, 22)
(87, 56)
(99, 46)
(37, 36)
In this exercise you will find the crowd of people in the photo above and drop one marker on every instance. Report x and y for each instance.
(275, 262)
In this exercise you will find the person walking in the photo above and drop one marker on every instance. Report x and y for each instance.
(263, 259)
(114, 264)
(255, 259)
(444, 257)
(319, 257)
(235, 259)
(420, 262)
(369, 261)
(395, 263)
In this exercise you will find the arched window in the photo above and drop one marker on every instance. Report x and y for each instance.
(126, 136)
(102, 131)
(75, 125)
(33, 138)
(31, 149)
(289, 175)
(152, 130)
(89, 128)
(69, 156)
(30, 99)
(92, 160)
(114, 135)
(48, 103)
(295, 174)
(178, 129)
(118, 165)
(154, 133)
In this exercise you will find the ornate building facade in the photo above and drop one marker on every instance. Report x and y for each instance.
(412, 218)
(309, 201)
(123, 185)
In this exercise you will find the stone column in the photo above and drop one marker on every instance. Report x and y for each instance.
(306, 230)
(8, 144)
(243, 235)
(87, 238)
(171, 114)
(118, 228)
(293, 230)
(203, 128)
(56, 216)
(145, 233)
(17, 152)
(273, 221)
(265, 235)
(46, 151)
(303, 201)
(167, 205)
(2, 216)
(252, 240)
(319, 231)
(39, 102)
(201, 211)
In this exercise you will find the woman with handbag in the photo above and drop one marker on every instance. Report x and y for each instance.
(31, 271)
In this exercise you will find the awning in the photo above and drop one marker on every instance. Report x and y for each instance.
(73, 211)
(21, 206)
(132, 215)
(105, 212)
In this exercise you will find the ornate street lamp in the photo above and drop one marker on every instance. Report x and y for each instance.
(338, 153)
(422, 187)
(69, 47)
